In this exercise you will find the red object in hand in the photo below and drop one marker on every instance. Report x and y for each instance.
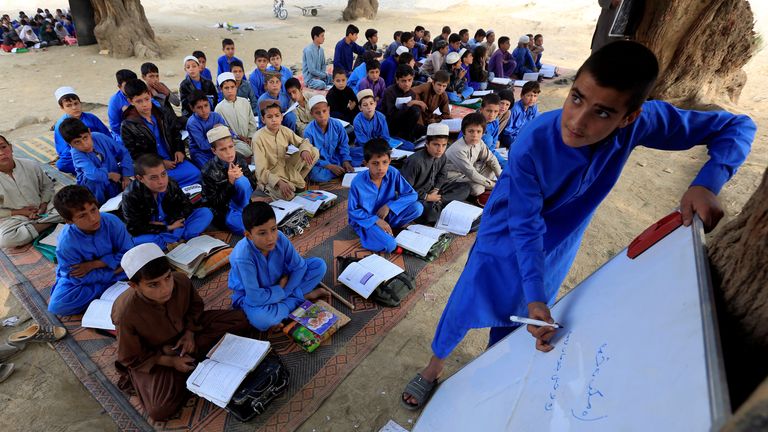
(654, 233)
(399, 250)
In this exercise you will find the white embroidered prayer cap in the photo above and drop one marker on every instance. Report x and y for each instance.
(225, 76)
(452, 58)
(137, 257)
(62, 91)
(401, 50)
(190, 58)
(438, 129)
(316, 99)
(524, 39)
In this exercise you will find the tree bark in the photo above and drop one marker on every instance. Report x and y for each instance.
(739, 257)
(357, 9)
(701, 45)
(123, 29)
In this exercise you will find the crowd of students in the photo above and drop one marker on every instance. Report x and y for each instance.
(42, 30)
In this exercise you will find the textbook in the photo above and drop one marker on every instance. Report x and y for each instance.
(457, 217)
(290, 150)
(310, 341)
(531, 76)
(229, 362)
(454, 124)
(400, 154)
(112, 204)
(52, 239)
(188, 256)
(481, 93)
(99, 312)
(314, 317)
(548, 71)
(365, 275)
(501, 81)
(468, 102)
(283, 209)
(419, 239)
(519, 83)
(314, 201)
(348, 177)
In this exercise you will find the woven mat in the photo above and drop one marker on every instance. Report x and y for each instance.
(314, 376)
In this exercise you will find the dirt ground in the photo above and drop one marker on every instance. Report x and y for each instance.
(43, 394)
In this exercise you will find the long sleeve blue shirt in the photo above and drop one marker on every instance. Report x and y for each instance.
(388, 70)
(344, 54)
(117, 103)
(366, 130)
(313, 62)
(524, 59)
(285, 73)
(200, 150)
(356, 76)
(518, 117)
(107, 157)
(94, 124)
(224, 64)
(256, 79)
(365, 198)
(282, 97)
(333, 145)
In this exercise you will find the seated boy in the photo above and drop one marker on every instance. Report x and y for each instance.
(202, 60)
(346, 48)
(507, 99)
(118, 103)
(457, 89)
(524, 110)
(390, 64)
(102, 165)
(370, 124)
(275, 91)
(162, 331)
(244, 88)
(88, 253)
(194, 81)
(329, 137)
(523, 59)
(198, 124)
(227, 182)
(373, 80)
(359, 72)
(370, 46)
(276, 65)
(155, 208)
(537, 50)
(434, 97)
(27, 193)
(269, 278)
(280, 175)
(470, 160)
(236, 112)
(69, 102)
(490, 111)
(403, 118)
(380, 199)
(150, 129)
(313, 61)
(225, 61)
(502, 64)
(160, 92)
(261, 59)
(425, 171)
(303, 117)
(342, 99)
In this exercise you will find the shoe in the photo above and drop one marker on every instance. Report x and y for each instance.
(9, 350)
(38, 333)
(6, 369)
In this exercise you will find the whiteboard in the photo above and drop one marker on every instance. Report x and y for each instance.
(639, 352)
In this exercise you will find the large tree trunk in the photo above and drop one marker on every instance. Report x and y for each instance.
(739, 256)
(357, 9)
(123, 29)
(701, 46)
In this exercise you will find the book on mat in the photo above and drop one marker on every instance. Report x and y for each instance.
(519, 83)
(112, 204)
(531, 76)
(310, 341)
(419, 239)
(548, 71)
(346, 181)
(314, 317)
(188, 256)
(314, 201)
(99, 312)
(467, 102)
(400, 154)
(454, 124)
(52, 239)
(229, 362)
(457, 217)
(481, 93)
(284, 208)
(501, 81)
(365, 275)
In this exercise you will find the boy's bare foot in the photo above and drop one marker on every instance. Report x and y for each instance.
(276, 328)
(319, 294)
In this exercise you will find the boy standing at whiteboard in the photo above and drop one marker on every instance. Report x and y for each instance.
(563, 164)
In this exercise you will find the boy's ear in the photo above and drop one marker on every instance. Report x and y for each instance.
(631, 117)
(132, 284)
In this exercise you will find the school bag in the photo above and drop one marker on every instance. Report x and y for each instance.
(294, 224)
(389, 293)
(265, 383)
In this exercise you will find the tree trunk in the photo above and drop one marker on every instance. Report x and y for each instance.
(123, 29)
(739, 257)
(701, 46)
(357, 9)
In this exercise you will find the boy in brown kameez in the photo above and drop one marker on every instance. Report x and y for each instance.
(162, 330)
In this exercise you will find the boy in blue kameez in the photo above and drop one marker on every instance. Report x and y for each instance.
(276, 65)
(89, 251)
(102, 165)
(224, 64)
(524, 110)
(69, 102)
(523, 58)
(275, 91)
(380, 199)
(269, 278)
(327, 134)
(563, 164)
(198, 125)
(256, 78)
(119, 102)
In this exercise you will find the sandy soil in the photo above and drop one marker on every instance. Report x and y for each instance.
(43, 394)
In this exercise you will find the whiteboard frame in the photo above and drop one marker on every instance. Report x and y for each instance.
(719, 399)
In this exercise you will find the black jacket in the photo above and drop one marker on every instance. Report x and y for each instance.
(217, 190)
(139, 208)
(139, 139)
(186, 88)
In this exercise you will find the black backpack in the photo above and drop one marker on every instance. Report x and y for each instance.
(390, 293)
(265, 383)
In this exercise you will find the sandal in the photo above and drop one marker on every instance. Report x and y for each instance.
(6, 369)
(8, 350)
(419, 389)
(38, 333)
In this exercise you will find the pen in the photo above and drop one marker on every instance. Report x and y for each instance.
(278, 207)
(538, 323)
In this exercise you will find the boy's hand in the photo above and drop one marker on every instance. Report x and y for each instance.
(169, 165)
(348, 166)
(178, 224)
(433, 196)
(418, 103)
(285, 189)
(385, 226)
(383, 211)
(233, 173)
(244, 139)
(125, 182)
(540, 311)
(115, 177)
(42, 208)
(28, 211)
(178, 157)
(351, 105)
(186, 344)
(335, 169)
(283, 281)
(82, 269)
(306, 157)
(183, 364)
(701, 201)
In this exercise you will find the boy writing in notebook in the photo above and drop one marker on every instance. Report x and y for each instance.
(278, 174)
(70, 104)
(425, 171)
(225, 61)
(380, 200)
(163, 330)
(470, 160)
(155, 208)
(329, 137)
(102, 165)
(237, 113)
(531, 229)
(269, 278)
(88, 251)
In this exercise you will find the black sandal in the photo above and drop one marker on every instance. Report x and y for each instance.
(419, 389)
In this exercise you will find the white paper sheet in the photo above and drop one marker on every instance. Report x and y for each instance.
(399, 102)
(112, 204)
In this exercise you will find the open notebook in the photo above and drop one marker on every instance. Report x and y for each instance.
(188, 256)
(419, 239)
(229, 362)
(112, 204)
(365, 275)
(313, 201)
(284, 209)
(346, 181)
(99, 312)
(457, 217)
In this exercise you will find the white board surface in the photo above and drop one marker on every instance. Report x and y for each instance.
(636, 354)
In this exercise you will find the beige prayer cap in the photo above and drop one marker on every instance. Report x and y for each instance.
(316, 99)
(452, 58)
(218, 132)
(364, 94)
(63, 91)
(269, 102)
(438, 130)
(225, 76)
(136, 258)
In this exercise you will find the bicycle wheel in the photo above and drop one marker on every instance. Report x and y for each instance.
(282, 14)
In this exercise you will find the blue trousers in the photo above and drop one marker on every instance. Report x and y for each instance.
(101, 190)
(185, 174)
(321, 175)
(317, 84)
(72, 297)
(194, 225)
(242, 197)
(498, 333)
(265, 316)
(289, 121)
(377, 240)
(454, 97)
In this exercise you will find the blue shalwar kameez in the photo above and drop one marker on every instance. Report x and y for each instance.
(92, 169)
(333, 146)
(64, 163)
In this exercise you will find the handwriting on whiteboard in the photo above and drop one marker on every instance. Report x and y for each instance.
(556, 374)
(593, 393)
